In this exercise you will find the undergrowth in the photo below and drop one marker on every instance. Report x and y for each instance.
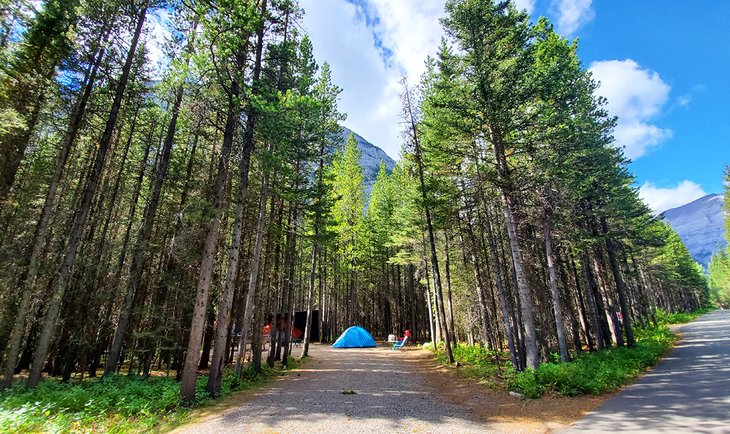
(117, 403)
(588, 373)
(490, 367)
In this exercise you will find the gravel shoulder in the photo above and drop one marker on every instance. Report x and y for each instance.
(394, 391)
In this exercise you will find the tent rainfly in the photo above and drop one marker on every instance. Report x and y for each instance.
(354, 337)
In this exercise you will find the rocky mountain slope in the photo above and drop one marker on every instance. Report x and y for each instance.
(701, 226)
(370, 159)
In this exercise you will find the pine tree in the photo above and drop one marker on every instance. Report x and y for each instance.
(24, 81)
(347, 190)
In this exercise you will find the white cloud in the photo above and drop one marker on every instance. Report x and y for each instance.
(661, 199)
(368, 46)
(572, 14)
(158, 33)
(684, 100)
(636, 95)
(528, 5)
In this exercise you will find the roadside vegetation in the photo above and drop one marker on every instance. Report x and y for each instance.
(588, 373)
(116, 403)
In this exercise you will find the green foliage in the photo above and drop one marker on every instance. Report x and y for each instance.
(675, 264)
(347, 189)
(116, 403)
(487, 366)
(589, 373)
(719, 267)
(666, 318)
(595, 373)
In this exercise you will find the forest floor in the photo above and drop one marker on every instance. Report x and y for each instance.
(380, 390)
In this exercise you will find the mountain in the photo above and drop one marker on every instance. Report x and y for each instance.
(370, 159)
(701, 226)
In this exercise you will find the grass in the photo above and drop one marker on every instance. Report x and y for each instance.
(114, 404)
(480, 363)
(589, 373)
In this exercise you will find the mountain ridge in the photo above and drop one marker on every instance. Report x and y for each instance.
(701, 226)
(370, 158)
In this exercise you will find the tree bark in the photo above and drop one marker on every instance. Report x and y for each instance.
(508, 329)
(192, 356)
(409, 112)
(64, 274)
(140, 249)
(448, 288)
(253, 278)
(554, 293)
(620, 287)
(224, 311)
(523, 288)
(27, 282)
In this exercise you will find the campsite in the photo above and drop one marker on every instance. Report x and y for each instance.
(364, 216)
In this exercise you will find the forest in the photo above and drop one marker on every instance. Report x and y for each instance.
(158, 210)
(719, 267)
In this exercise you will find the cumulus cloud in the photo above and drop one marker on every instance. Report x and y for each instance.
(636, 95)
(369, 44)
(528, 5)
(158, 33)
(661, 199)
(572, 14)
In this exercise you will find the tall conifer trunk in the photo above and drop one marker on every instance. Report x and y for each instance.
(554, 293)
(27, 281)
(224, 311)
(64, 274)
(411, 118)
(143, 237)
(620, 287)
(253, 278)
(192, 355)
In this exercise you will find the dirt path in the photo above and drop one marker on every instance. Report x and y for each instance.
(395, 391)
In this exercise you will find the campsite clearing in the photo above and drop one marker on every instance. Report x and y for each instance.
(387, 391)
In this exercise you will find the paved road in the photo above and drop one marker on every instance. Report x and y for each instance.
(391, 395)
(689, 391)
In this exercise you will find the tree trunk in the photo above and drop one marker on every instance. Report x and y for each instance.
(192, 356)
(64, 274)
(253, 278)
(620, 287)
(508, 329)
(27, 282)
(448, 288)
(554, 293)
(140, 250)
(594, 302)
(523, 288)
(409, 111)
(224, 311)
(291, 254)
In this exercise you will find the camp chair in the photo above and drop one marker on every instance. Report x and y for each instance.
(399, 344)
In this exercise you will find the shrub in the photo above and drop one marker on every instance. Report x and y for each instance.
(119, 403)
(596, 372)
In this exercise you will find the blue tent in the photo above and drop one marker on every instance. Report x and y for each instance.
(354, 337)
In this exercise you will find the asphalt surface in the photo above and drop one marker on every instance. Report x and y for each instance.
(688, 391)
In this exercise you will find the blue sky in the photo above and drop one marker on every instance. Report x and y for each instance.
(663, 66)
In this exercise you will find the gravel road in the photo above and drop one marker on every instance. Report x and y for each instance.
(391, 395)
